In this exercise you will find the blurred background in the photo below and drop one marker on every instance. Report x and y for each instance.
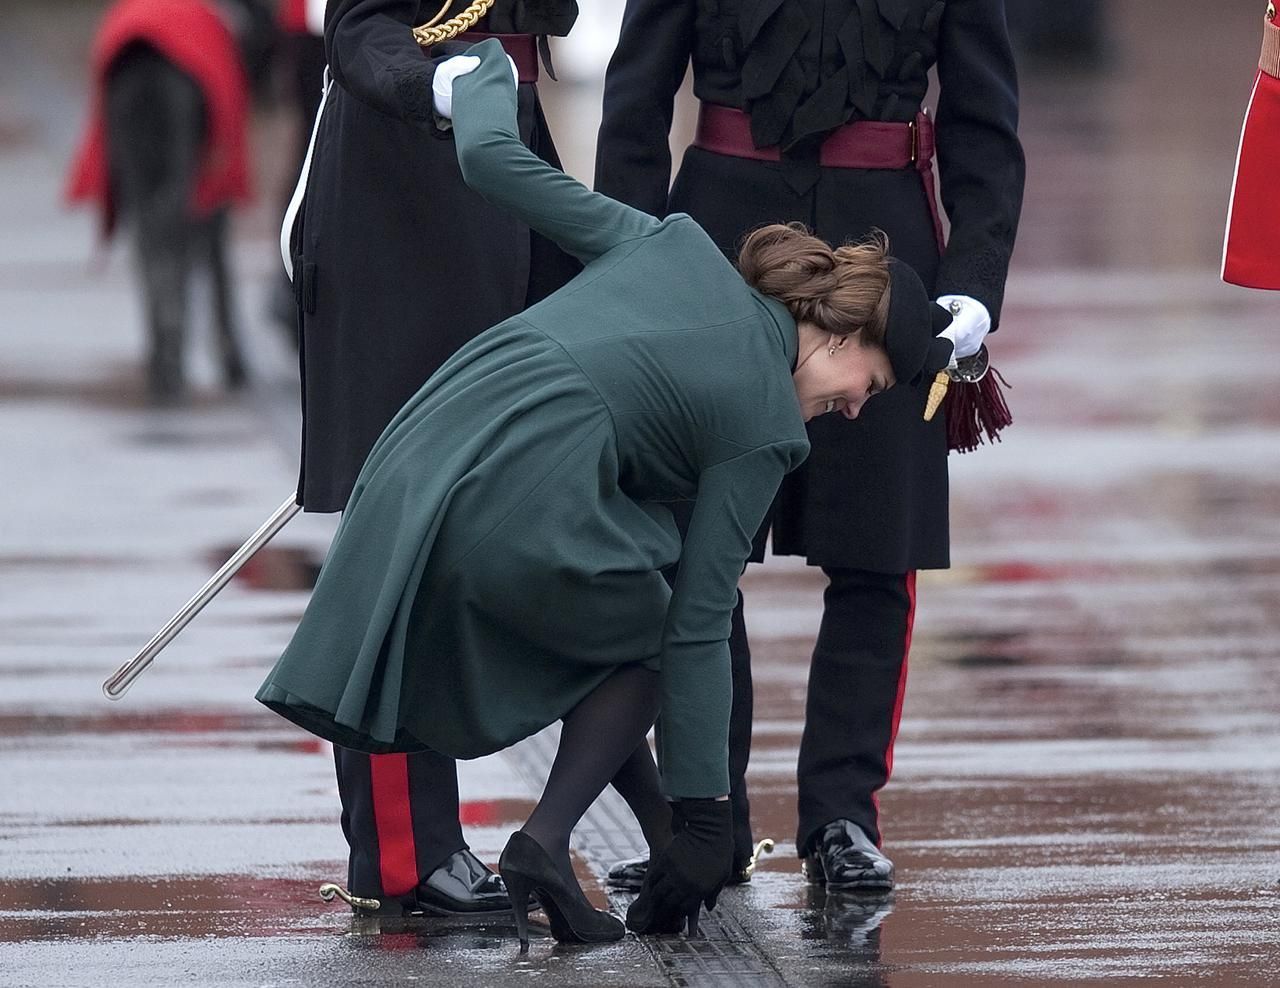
(1088, 773)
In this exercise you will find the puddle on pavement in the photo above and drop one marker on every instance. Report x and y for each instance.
(175, 722)
(212, 906)
(1046, 819)
(13, 560)
(494, 812)
(229, 906)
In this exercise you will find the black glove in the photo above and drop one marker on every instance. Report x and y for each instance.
(692, 870)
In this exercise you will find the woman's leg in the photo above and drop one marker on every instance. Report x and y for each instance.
(600, 734)
(638, 783)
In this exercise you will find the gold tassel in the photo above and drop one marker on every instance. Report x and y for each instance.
(937, 391)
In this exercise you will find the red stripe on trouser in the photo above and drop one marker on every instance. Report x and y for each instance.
(902, 687)
(392, 816)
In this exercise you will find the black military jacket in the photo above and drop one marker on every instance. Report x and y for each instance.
(374, 31)
(803, 67)
(397, 262)
(873, 493)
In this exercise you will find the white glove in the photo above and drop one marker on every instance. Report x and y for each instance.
(449, 70)
(970, 324)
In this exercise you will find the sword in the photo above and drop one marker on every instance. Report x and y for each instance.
(116, 686)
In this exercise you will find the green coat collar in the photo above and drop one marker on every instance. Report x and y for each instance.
(785, 324)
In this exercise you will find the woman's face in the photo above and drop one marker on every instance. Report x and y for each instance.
(840, 379)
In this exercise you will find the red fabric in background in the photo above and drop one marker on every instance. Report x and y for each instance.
(292, 16)
(1251, 256)
(193, 36)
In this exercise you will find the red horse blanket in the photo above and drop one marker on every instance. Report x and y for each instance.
(192, 35)
(1251, 255)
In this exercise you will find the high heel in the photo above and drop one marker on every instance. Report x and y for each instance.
(526, 867)
(519, 887)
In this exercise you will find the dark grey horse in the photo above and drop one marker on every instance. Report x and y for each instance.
(156, 125)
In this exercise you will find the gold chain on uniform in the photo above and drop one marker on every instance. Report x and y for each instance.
(432, 33)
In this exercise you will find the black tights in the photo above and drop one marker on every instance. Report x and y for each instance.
(638, 783)
(601, 736)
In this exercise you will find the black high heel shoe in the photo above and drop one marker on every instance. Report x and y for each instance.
(525, 867)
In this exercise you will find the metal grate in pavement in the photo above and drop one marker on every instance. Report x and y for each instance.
(724, 954)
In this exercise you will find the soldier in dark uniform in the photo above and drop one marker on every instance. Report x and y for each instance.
(811, 112)
(389, 239)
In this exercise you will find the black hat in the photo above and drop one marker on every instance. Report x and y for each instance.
(916, 352)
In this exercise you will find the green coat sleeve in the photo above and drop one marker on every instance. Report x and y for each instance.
(732, 499)
(504, 171)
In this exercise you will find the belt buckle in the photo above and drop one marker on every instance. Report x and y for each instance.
(914, 127)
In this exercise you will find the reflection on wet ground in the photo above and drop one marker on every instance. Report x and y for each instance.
(208, 906)
(1089, 763)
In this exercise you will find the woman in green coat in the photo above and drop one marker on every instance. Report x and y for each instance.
(499, 566)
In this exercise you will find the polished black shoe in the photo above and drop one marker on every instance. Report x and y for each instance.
(527, 868)
(462, 885)
(628, 875)
(846, 860)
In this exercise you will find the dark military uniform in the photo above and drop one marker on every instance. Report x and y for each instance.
(870, 504)
(397, 263)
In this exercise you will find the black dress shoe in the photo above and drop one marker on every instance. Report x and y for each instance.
(628, 875)
(527, 868)
(846, 860)
(462, 885)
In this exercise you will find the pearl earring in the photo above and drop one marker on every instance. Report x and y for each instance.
(837, 343)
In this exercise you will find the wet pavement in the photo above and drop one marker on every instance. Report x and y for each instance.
(1087, 778)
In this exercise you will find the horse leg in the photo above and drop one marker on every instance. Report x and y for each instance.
(164, 264)
(233, 363)
(155, 128)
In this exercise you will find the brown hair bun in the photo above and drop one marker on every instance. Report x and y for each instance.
(844, 290)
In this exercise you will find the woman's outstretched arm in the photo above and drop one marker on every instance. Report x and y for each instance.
(732, 499)
(497, 165)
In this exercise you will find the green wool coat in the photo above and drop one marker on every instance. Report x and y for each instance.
(501, 553)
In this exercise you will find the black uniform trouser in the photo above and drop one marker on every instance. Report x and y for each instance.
(857, 679)
(400, 818)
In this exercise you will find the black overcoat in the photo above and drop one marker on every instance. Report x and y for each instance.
(397, 262)
(873, 493)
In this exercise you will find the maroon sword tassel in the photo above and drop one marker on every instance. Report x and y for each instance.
(975, 408)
